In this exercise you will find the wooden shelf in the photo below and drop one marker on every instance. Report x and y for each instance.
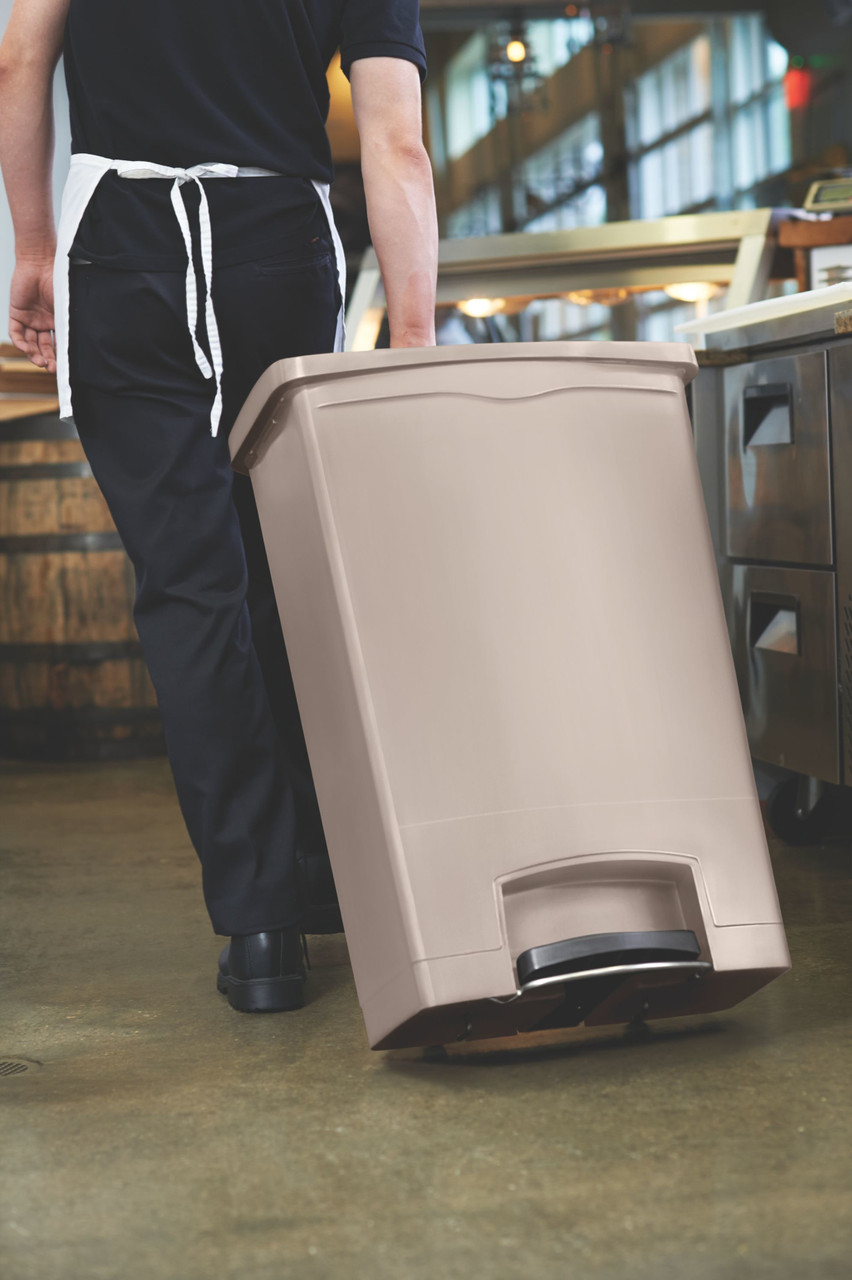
(18, 373)
(20, 407)
(801, 237)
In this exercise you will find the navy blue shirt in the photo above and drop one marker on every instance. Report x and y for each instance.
(240, 81)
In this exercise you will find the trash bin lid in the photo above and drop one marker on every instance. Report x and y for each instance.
(285, 376)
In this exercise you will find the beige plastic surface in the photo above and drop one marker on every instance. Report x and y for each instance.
(500, 601)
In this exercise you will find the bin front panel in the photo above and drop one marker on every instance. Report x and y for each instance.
(535, 594)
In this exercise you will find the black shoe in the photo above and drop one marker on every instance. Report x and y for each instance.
(264, 972)
(320, 912)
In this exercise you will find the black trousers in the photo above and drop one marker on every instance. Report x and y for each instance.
(205, 610)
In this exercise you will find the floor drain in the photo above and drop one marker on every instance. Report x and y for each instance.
(10, 1067)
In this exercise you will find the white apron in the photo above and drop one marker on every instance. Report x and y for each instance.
(83, 177)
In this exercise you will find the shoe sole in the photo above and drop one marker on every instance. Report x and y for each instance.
(262, 995)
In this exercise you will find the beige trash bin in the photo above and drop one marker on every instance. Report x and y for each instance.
(499, 595)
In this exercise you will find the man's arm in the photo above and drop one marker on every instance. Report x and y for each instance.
(29, 52)
(400, 192)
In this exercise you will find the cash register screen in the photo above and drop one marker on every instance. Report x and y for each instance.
(830, 195)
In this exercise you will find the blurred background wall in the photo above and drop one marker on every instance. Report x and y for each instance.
(609, 111)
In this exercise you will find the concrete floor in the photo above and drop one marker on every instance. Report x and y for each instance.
(158, 1134)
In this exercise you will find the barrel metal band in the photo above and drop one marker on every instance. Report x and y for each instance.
(46, 471)
(38, 426)
(41, 542)
(72, 654)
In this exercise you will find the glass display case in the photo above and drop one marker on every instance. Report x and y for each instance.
(622, 281)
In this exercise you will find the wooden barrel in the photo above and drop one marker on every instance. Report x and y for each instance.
(73, 683)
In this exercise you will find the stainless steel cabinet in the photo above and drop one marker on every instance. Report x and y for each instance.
(773, 435)
(778, 490)
(785, 653)
(840, 372)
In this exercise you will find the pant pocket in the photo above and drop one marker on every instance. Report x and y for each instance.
(128, 332)
(294, 260)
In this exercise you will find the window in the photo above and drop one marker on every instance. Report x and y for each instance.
(468, 111)
(479, 217)
(755, 113)
(435, 121)
(468, 107)
(702, 141)
(670, 134)
(747, 61)
(556, 319)
(585, 210)
(657, 315)
(557, 186)
(555, 41)
(674, 93)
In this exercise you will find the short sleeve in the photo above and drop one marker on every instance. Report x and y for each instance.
(382, 29)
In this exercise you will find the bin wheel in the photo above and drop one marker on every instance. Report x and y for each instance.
(784, 821)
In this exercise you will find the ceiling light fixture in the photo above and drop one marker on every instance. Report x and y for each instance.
(693, 290)
(481, 308)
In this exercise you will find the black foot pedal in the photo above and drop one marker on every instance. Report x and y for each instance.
(596, 952)
(605, 951)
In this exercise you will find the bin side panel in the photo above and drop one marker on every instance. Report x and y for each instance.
(355, 805)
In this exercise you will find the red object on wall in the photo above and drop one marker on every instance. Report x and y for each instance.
(798, 86)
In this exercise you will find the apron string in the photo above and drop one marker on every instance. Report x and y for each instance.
(143, 169)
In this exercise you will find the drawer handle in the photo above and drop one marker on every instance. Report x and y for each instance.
(773, 623)
(767, 415)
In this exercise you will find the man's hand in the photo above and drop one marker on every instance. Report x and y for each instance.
(31, 311)
(29, 52)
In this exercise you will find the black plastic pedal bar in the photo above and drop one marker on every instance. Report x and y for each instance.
(602, 950)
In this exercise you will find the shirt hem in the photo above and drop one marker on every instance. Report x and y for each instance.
(383, 49)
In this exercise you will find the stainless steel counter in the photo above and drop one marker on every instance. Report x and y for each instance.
(772, 411)
(821, 316)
